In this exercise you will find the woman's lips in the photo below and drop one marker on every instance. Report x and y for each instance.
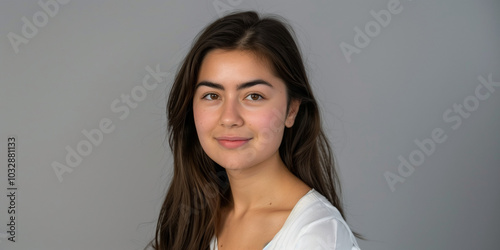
(232, 142)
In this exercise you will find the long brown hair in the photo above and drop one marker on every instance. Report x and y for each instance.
(199, 188)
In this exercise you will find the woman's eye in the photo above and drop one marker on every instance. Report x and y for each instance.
(211, 96)
(254, 97)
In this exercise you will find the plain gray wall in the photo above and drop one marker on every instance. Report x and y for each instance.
(403, 88)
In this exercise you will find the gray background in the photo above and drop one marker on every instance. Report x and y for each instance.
(393, 92)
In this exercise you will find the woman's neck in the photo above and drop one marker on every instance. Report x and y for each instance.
(264, 185)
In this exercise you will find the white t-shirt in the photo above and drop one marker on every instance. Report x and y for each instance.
(313, 224)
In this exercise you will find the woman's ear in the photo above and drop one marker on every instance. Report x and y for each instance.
(292, 113)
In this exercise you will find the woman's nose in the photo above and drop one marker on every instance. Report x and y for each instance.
(230, 116)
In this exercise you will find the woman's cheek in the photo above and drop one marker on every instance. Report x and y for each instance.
(270, 127)
(200, 120)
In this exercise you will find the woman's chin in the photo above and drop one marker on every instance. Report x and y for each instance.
(233, 166)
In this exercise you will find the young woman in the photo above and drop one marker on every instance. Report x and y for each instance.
(252, 166)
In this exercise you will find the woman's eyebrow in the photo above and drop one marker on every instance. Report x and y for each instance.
(209, 84)
(239, 87)
(253, 83)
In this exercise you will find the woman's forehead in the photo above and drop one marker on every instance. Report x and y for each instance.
(235, 67)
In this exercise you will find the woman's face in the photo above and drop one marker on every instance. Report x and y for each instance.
(239, 109)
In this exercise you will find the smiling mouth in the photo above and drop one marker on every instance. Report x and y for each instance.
(232, 143)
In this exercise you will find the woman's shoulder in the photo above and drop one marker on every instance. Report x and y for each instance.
(315, 206)
(315, 223)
